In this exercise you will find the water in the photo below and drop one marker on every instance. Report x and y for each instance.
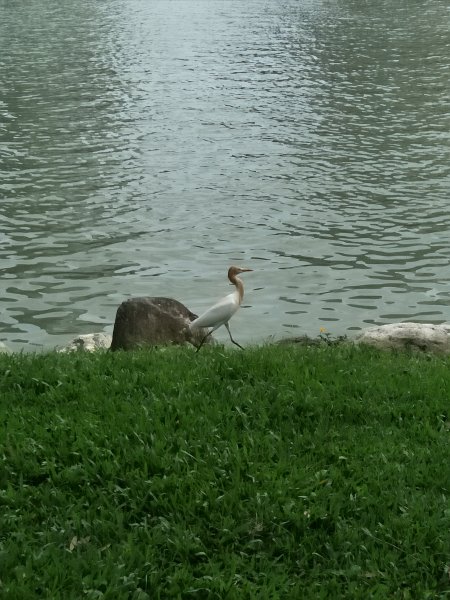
(146, 146)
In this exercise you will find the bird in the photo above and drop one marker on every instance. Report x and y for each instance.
(220, 313)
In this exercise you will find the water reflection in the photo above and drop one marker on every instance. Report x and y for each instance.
(308, 140)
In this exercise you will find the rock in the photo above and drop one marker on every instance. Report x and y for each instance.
(408, 336)
(4, 348)
(301, 340)
(305, 340)
(153, 321)
(89, 342)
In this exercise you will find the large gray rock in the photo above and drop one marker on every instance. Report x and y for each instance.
(408, 336)
(88, 342)
(152, 321)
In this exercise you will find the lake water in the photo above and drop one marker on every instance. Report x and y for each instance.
(146, 146)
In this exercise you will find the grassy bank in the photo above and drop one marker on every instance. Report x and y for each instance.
(276, 472)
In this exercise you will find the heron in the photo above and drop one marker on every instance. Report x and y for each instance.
(220, 313)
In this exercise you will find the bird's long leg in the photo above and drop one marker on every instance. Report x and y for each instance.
(231, 337)
(203, 340)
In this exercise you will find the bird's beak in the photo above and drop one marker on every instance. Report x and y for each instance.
(243, 270)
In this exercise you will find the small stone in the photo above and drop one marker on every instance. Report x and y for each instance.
(88, 343)
(4, 348)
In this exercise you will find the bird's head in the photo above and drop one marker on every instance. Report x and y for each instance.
(233, 271)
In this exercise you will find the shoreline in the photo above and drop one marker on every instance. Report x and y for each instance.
(421, 337)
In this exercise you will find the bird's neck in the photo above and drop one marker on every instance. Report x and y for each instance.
(239, 287)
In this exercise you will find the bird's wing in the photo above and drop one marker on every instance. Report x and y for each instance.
(219, 313)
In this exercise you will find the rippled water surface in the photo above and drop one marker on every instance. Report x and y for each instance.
(146, 146)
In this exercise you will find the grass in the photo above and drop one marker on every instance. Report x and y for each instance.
(274, 473)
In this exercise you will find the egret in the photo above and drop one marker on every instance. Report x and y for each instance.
(220, 313)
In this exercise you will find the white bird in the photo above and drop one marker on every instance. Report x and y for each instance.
(220, 313)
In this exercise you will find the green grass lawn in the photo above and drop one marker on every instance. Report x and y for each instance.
(276, 472)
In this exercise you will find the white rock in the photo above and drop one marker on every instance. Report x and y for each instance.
(408, 336)
(4, 348)
(89, 342)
